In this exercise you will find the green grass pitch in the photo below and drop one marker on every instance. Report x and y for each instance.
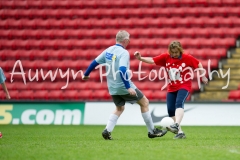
(130, 143)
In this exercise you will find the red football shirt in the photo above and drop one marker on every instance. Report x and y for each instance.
(178, 70)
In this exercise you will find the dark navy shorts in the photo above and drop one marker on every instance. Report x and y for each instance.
(176, 100)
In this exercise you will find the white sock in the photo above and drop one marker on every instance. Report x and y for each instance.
(180, 129)
(148, 120)
(111, 122)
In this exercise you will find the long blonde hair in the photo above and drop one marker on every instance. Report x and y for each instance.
(175, 44)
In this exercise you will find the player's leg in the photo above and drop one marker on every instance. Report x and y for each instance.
(144, 105)
(112, 121)
(113, 118)
(181, 98)
(171, 101)
(143, 102)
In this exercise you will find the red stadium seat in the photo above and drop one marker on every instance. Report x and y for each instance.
(19, 86)
(173, 3)
(26, 95)
(148, 93)
(216, 32)
(224, 42)
(41, 95)
(197, 22)
(138, 3)
(97, 85)
(62, 4)
(231, 32)
(95, 76)
(55, 95)
(156, 85)
(192, 12)
(78, 86)
(202, 32)
(37, 86)
(210, 22)
(213, 63)
(208, 53)
(205, 42)
(119, 3)
(229, 2)
(201, 2)
(55, 85)
(13, 94)
(141, 85)
(8, 54)
(9, 4)
(101, 95)
(234, 94)
(174, 32)
(195, 86)
(159, 95)
(206, 11)
(225, 22)
(71, 95)
(178, 11)
(7, 65)
(34, 4)
(235, 20)
(234, 11)
(215, 3)
(86, 94)
(187, 32)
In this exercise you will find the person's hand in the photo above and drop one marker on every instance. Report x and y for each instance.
(132, 92)
(85, 77)
(8, 96)
(205, 80)
(137, 55)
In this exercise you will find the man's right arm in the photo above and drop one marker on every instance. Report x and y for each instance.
(99, 60)
(89, 69)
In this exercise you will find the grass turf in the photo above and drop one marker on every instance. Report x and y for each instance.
(130, 143)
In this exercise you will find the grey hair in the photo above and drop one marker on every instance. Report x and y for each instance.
(121, 35)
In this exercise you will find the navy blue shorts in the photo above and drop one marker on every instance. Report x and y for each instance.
(176, 100)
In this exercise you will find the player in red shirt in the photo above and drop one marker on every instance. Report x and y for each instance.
(178, 65)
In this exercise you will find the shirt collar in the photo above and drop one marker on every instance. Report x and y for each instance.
(180, 57)
(119, 45)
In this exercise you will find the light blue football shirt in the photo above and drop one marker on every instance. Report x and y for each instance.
(2, 76)
(115, 57)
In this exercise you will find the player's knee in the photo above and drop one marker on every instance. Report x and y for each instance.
(120, 109)
(144, 102)
(179, 105)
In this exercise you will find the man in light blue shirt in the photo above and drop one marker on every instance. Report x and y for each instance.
(117, 61)
(2, 82)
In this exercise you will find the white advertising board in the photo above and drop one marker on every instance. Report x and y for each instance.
(196, 114)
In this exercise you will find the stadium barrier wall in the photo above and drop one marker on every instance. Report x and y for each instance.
(97, 113)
